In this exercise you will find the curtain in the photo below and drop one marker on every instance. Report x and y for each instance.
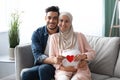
(109, 9)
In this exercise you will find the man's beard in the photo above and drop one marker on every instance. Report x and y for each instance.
(53, 28)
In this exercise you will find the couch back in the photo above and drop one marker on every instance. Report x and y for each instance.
(107, 60)
(23, 58)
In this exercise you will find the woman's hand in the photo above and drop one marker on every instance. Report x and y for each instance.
(68, 69)
(84, 56)
(80, 57)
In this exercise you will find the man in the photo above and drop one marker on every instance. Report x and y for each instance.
(43, 70)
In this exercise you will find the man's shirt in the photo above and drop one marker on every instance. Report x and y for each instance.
(39, 41)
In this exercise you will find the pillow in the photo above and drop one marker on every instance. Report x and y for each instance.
(106, 54)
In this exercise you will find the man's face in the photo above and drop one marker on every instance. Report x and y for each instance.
(51, 20)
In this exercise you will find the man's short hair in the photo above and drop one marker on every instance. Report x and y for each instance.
(53, 8)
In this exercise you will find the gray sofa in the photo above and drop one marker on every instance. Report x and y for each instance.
(105, 66)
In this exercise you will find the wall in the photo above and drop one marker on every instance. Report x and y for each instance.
(7, 67)
(88, 15)
(4, 44)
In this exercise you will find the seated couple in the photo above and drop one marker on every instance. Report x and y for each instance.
(68, 51)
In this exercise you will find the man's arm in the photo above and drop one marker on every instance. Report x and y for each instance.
(38, 48)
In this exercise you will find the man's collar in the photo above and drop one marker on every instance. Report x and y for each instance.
(46, 32)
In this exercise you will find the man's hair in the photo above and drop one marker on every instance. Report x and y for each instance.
(53, 8)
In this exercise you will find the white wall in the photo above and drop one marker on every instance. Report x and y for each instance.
(7, 67)
(4, 43)
(88, 15)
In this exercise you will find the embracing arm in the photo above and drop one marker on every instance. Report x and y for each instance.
(37, 49)
(88, 53)
(68, 69)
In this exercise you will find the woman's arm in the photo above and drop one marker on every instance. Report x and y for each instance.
(85, 47)
(53, 52)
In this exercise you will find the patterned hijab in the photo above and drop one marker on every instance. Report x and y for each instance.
(67, 39)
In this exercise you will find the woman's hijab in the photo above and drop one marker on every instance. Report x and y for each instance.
(67, 39)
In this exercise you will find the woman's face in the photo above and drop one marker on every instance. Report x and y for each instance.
(64, 23)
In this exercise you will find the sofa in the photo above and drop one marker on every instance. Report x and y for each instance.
(105, 66)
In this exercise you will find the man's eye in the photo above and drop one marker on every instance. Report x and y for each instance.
(55, 18)
(49, 17)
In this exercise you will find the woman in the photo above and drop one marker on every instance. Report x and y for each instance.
(70, 50)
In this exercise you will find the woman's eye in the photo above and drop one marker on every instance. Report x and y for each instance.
(61, 20)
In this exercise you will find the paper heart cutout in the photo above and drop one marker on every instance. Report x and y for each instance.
(70, 58)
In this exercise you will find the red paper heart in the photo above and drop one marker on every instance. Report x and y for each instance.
(70, 58)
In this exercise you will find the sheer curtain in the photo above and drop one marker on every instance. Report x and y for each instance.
(88, 16)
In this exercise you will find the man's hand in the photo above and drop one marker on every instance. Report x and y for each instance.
(84, 56)
(82, 64)
(68, 69)
(58, 60)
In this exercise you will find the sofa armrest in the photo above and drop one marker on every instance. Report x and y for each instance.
(23, 58)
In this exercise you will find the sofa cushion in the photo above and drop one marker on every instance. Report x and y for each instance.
(99, 76)
(117, 68)
(106, 54)
(113, 78)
